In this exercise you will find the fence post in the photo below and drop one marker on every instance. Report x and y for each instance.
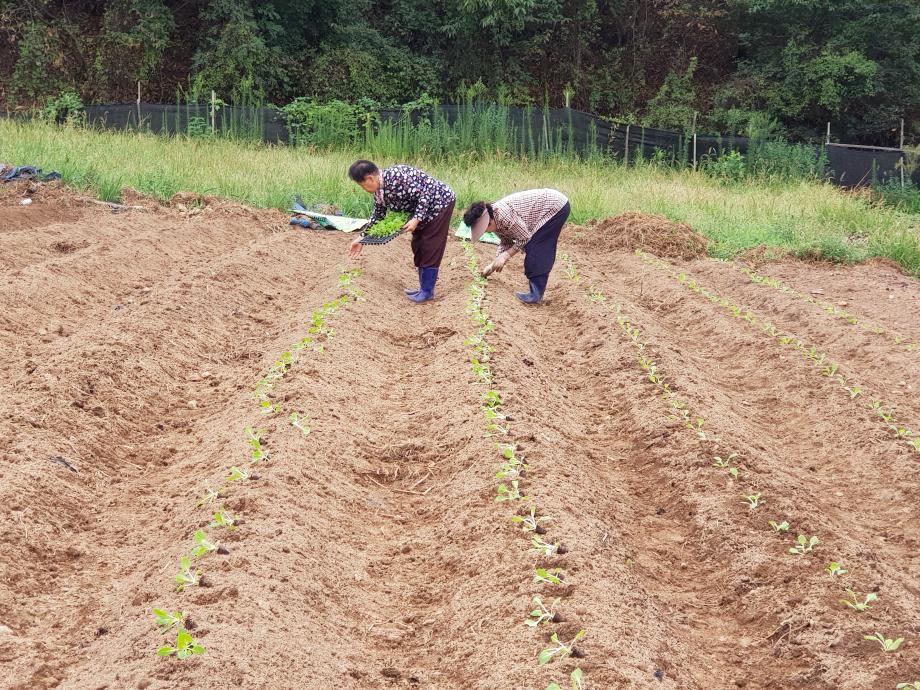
(903, 156)
(828, 132)
(626, 147)
(138, 106)
(694, 140)
(213, 111)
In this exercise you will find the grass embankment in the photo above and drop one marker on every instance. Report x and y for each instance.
(807, 218)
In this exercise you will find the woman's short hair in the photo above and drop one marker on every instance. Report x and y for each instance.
(360, 170)
(475, 211)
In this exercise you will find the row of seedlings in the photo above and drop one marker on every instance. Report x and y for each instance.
(726, 460)
(190, 574)
(834, 310)
(512, 470)
(820, 360)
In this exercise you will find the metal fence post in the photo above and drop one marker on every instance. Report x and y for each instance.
(626, 147)
(213, 111)
(694, 140)
(903, 155)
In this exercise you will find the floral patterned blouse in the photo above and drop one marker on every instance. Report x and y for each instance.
(405, 188)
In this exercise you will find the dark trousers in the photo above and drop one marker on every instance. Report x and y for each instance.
(430, 240)
(540, 250)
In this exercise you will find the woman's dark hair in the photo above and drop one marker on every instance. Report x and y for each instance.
(475, 211)
(359, 170)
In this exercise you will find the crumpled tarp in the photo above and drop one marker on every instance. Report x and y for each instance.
(28, 172)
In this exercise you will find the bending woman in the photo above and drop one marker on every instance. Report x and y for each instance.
(430, 203)
(525, 221)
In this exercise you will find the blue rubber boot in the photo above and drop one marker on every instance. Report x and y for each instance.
(428, 279)
(537, 287)
(412, 291)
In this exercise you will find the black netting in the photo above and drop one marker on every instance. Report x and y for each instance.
(858, 166)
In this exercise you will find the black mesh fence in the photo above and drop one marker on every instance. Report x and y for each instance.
(560, 129)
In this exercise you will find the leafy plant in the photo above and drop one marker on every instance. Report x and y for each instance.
(187, 576)
(222, 519)
(835, 569)
(202, 544)
(723, 462)
(779, 526)
(854, 603)
(575, 682)
(854, 391)
(509, 493)
(803, 545)
(559, 650)
(391, 224)
(753, 500)
(167, 620)
(209, 496)
(543, 548)
(185, 647)
(908, 686)
(530, 522)
(298, 422)
(254, 440)
(552, 576)
(238, 474)
(542, 613)
(886, 644)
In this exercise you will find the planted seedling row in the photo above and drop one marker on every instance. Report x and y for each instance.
(820, 360)
(511, 473)
(834, 310)
(190, 575)
(803, 544)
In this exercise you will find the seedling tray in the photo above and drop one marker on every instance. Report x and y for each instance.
(367, 239)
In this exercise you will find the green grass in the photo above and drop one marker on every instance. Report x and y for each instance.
(807, 218)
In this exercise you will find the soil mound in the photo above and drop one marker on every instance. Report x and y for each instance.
(634, 230)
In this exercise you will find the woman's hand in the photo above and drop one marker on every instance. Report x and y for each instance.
(500, 262)
(355, 249)
(410, 225)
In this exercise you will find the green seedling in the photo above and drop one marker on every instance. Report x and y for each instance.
(167, 620)
(829, 370)
(187, 577)
(886, 644)
(854, 391)
(854, 603)
(257, 452)
(908, 686)
(203, 545)
(779, 526)
(559, 650)
(543, 548)
(597, 296)
(530, 522)
(298, 421)
(753, 500)
(900, 431)
(392, 223)
(509, 493)
(509, 471)
(835, 569)
(238, 474)
(803, 545)
(551, 576)
(915, 444)
(267, 407)
(185, 647)
(542, 613)
(494, 430)
(723, 462)
(222, 519)
(210, 496)
(697, 428)
(575, 682)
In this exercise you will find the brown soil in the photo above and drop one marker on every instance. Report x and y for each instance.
(634, 230)
(372, 553)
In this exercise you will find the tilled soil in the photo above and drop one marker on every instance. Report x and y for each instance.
(371, 552)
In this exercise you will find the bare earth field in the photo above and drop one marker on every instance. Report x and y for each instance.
(371, 552)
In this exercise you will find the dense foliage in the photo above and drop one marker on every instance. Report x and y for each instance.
(792, 64)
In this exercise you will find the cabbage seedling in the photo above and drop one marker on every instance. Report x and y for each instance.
(238, 474)
(576, 684)
(723, 462)
(254, 439)
(552, 576)
(203, 545)
(506, 493)
(779, 526)
(391, 224)
(803, 545)
(186, 576)
(209, 496)
(854, 391)
(222, 519)
(915, 444)
(753, 500)
(167, 620)
(542, 613)
(854, 603)
(298, 422)
(886, 644)
(543, 548)
(908, 686)
(531, 523)
(900, 431)
(835, 569)
(185, 647)
(559, 650)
